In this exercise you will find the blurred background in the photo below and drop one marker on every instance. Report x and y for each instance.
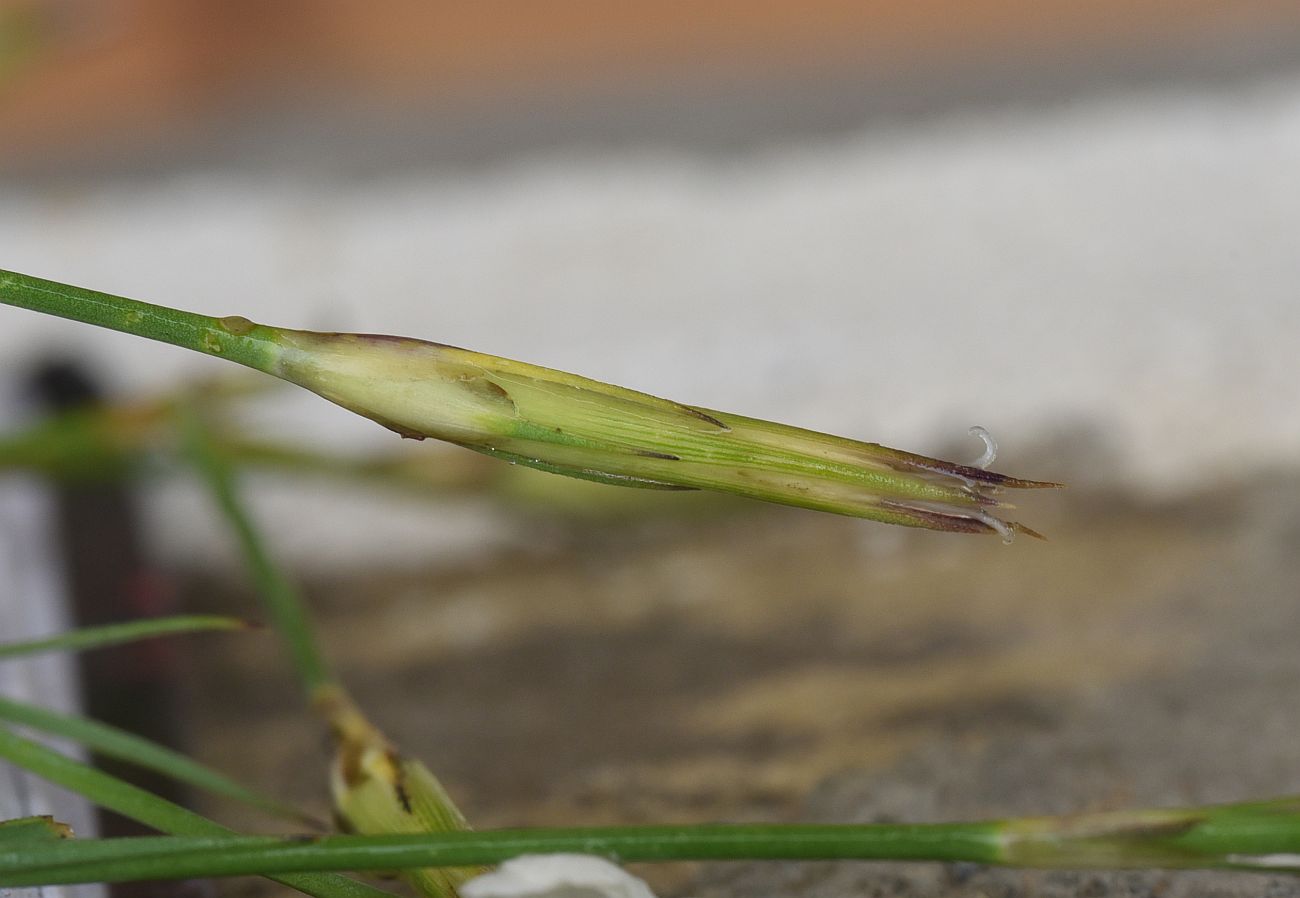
(1075, 224)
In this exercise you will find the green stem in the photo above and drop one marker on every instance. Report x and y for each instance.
(234, 338)
(283, 604)
(152, 858)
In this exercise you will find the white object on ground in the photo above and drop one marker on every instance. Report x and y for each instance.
(557, 876)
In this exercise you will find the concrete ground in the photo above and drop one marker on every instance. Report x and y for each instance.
(773, 665)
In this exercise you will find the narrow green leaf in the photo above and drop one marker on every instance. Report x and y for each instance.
(114, 634)
(129, 801)
(116, 743)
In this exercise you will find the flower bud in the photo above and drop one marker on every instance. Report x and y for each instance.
(572, 425)
(377, 791)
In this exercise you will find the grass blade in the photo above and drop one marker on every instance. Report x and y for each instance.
(115, 634)
(128, 800)
(112, 742)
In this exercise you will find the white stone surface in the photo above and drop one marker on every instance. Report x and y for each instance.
(1130, 263)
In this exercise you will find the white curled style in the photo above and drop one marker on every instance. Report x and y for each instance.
(990, 447)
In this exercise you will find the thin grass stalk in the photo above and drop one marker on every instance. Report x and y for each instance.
(179, 328)
(279, 596)
(1258, 836)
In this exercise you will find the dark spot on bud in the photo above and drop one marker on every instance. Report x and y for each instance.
(399, 782)
(938, 520)
(650, 453)
(703, 416)
(489, 390)
(349, 760)
(403, 796)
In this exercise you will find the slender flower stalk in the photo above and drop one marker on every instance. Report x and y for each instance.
(564, 423)
(279, 596)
